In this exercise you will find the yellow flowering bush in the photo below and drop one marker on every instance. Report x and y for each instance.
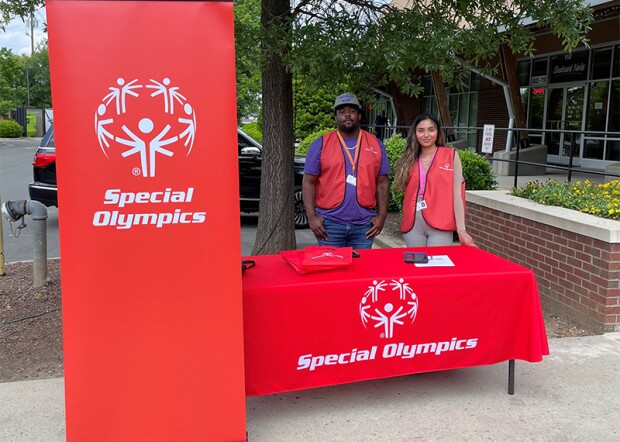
(602, 200)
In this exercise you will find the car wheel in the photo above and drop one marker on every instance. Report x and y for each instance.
(301, 218)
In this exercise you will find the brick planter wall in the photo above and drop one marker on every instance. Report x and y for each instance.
(575, 256)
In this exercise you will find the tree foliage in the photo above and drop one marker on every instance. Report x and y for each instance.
(38, 66)
(12, 81)
(368, 43)
(314, 106)
(10, 9)
(22, 76)
(247, 57)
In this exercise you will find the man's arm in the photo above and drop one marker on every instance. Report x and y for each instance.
(309, 195)
(383, 200)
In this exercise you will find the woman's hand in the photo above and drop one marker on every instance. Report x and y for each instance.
(465, 239)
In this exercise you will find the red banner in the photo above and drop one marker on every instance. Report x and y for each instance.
(145, 124)
(383, 317)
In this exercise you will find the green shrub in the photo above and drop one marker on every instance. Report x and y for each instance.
(477, 171)
(253, 130)
(395, 146)
(10, 129)
(304, 145)
(602, 200)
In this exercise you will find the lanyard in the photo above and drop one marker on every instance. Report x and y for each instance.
(346, 149)
(423, 173)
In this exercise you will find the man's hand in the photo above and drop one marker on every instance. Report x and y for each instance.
(377, 226)
(316, 225)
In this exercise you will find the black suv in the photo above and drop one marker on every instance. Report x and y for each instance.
(250, 159)
(43, 188)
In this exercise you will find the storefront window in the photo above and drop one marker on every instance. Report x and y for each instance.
(536, 110)
(613, 146)
(523, 71)
(475, 82)
(596, 118)
(569, 67)
(597, 105)
(453, 104)
(524, 97)
(616, 72)
(428, 86)
(473, 117)
(601, 63)
(540, 67)
(463, 110)
(430, 106)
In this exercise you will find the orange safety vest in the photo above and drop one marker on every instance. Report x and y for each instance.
(438, 194)
(330, 188)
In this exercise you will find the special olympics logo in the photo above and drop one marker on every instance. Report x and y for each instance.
(145, 120)
(386, 309)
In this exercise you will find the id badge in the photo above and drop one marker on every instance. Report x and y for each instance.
(351, 180)
(421, 205)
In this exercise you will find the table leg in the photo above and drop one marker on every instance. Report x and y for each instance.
(511, 376)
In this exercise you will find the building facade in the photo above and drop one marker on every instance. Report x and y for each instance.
(559, 91)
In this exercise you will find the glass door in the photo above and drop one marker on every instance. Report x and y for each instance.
(565, 106)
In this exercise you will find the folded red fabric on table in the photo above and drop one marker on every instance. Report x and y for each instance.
(318, 258)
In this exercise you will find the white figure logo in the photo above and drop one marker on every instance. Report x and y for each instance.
(386, 310)
(145, 122)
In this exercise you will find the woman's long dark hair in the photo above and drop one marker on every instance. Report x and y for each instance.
(413, 149)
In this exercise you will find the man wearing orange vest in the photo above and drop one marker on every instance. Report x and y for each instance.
(346, 189)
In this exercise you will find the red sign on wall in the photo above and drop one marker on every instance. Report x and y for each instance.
(145, 124)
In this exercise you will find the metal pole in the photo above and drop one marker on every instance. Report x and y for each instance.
(511, 376)
(516, 161)
(39, 269)
(14, 211)
(28, 85)
(2, 266)
(31, 33)
(570, 158)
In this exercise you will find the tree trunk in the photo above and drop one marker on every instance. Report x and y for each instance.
(276, 230)
(442, 104)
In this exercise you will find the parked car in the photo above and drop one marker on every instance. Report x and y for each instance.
(250, 160)
(43, 188)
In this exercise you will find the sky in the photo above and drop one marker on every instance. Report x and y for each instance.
(16, 36)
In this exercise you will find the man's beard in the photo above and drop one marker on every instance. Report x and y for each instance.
(348, 129)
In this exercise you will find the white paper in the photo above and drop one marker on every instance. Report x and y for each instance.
(437, 261)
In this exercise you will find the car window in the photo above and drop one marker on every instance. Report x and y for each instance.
(243, 143)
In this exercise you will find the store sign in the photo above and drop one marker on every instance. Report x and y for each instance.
(539, 80)
(145, 124)
(569, 67)
(487, 138)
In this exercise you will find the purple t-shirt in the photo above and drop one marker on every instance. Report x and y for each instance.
(349, 212)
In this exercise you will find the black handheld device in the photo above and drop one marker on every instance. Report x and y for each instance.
(416, 257)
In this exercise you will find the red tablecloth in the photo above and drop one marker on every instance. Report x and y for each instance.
(382, 317)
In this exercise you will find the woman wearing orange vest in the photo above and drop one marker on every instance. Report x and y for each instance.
(432, 178)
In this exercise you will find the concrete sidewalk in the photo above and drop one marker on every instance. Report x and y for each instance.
(571, 395)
